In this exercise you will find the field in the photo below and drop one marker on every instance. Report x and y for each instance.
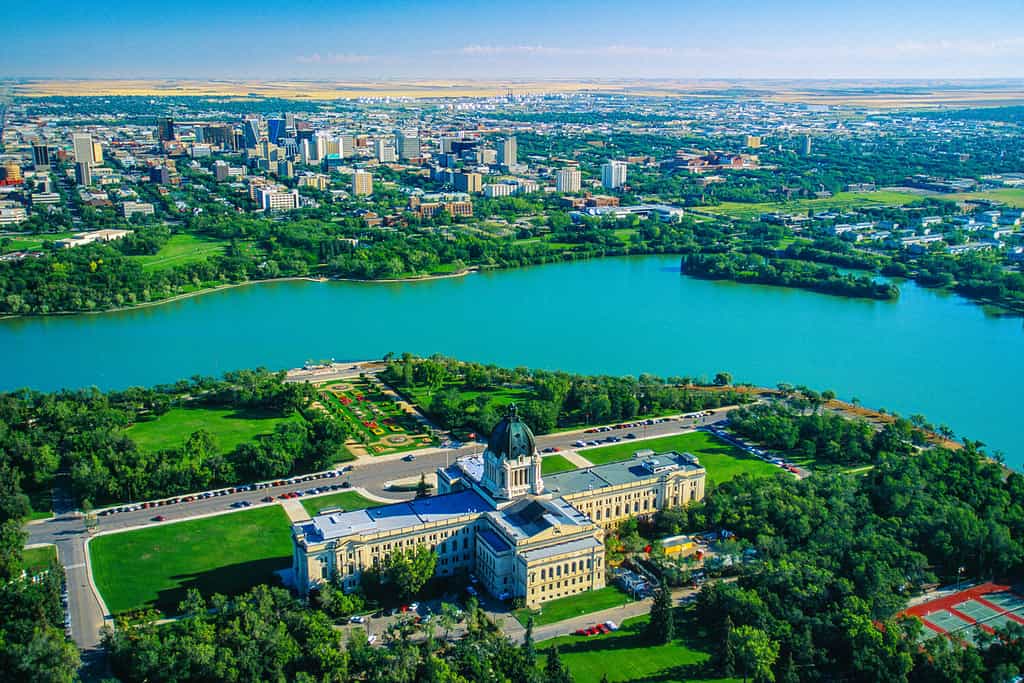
(153, 567)
(553, 464)
(376, 420)
(722, 461)
(624, 655)
(182, 249)
(346, 500)
(229, 427)
(574, 606)
(841, 200)
(28, 242)
(36, 559)
(1013, 197)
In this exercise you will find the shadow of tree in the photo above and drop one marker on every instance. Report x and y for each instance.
(231, 579)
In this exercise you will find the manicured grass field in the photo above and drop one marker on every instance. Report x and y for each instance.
(574, 606)
(154, 566)
(722, 461)
(29, 242)
(228, 426)
(36, 559)
(553, 464)
(624, 655)
(346, 500)
(182, 249)
(841, 200)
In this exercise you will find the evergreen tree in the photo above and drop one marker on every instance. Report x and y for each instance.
(728, 651)
(529, 650)
(661, 628)
(554, 670)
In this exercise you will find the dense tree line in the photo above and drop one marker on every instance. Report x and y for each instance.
(266, 635)
(33, 646)
(460, 394)
(757, 269)
(84, 433)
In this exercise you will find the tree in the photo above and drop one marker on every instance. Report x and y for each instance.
(661, 627)
(409, 569)
(528, 649)
(723, 379)
(422, 489)
(755, 653)
(554, 670)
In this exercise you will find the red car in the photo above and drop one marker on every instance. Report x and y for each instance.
(159, 518)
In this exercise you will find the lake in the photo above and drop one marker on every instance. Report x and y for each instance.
(928, 352)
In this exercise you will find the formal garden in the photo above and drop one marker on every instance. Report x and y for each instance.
(380, 422)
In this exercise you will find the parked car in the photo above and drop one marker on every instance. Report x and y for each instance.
(409, 458)
(159, 518)
(358, 619)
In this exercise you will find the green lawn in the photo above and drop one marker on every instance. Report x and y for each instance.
(553, 464)
(624, 655)
(574, 606)
(841, 200)
(229, 427)
(182, 249)
(36, 559)
(722, 461)
(30, 242)
(347, 500)
(153, 567)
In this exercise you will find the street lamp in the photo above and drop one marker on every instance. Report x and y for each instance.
(959, 571)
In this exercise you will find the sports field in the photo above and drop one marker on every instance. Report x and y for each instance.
(182, 249)
(229, 427)
(154, 566)
(722, 460)
(28, 242)
(346, 500)
(840, 200)
(625, 655)
(1010, 196)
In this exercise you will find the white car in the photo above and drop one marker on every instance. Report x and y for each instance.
(358, 619)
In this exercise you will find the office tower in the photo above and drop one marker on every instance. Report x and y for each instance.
(446, 145)
(220, 170)
(613, 174)
(346, 146)
(753, 141)
(82, 145)
(97, 153)
(220, 134)
(487, 156)
(407, 143)
(289, 122)
(507, 152)
(40, 156)
(285, 169)
(159, 175)
(807, 145)
(271, 199)
(165, 129)
(362, 183)
(12, 172)
(385, 151)
(307, 153)
(251, 133)
(568, 180)
(83, 173)
(276, 129)
(468, 182)
(290, 147)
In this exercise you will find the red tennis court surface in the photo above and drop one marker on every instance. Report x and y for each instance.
(988, 606)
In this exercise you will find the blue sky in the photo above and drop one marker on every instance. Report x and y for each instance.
(457, 39)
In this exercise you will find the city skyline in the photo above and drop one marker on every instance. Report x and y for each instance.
(398, 39)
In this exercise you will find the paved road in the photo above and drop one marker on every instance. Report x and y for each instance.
(68, 531)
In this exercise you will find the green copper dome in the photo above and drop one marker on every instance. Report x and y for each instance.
(511, 437)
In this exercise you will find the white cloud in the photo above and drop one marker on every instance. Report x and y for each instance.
(593, 51)
(333, 58)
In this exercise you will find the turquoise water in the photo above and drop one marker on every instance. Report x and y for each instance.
(927, 353)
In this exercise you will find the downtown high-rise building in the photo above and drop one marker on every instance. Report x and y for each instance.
(384, 149)
(83, 173)
(613, 174)
(508, 152)
(251, 133)
(407, 143)
(568, 180)
(165, 129)
(276, 129)
(40, 156)
(81, 144)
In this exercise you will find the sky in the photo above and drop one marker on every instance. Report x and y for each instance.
(391, 39)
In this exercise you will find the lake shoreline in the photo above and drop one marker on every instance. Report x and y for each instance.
(232, 285)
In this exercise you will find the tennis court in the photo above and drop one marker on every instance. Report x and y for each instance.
(946, 621)
(977, 611)
(1007, 600)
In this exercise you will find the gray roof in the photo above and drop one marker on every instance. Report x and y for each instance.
(585, 543)
(492, 539)
(530, 516)
(611, 474)
(392, 517)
